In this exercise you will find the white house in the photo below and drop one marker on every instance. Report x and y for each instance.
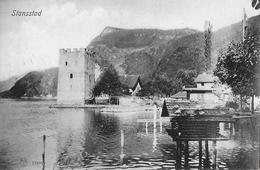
(208, 91)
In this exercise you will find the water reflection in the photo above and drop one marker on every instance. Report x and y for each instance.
(22, 125)
(89, 135)
(87, 138)
(122, 155)
(4, 162)
(96, 139)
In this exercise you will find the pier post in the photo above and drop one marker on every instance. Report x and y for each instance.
(241, 134)
(178, 155)
(154, 116)
(43, 154)
(122, 147)
(146, 127)
(214, 164)
(231, 130)
(200, 154)
(252, 131)
(161, 125)
(186, 154)
(122, 139)
(207, 153)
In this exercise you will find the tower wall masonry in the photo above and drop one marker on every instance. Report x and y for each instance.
(76, 72)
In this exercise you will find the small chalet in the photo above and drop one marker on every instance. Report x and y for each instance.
(133, 82)
(207, 91)
(204, 85)
(203, 91)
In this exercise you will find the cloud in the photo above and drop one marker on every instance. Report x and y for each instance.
(32, 43)
(35, 42)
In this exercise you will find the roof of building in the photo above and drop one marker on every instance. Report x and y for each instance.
(130, 81)
(198, 89)
(180, 94)
(205, 78)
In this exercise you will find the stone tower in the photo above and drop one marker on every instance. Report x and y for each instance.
(76, 76)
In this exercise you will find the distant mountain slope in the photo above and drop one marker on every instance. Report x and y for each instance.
(184, 53)
(144, 52)
(7, 84)
(137, 38)
(136, 51)
(36, 83)
(147, 52)
(222, 37)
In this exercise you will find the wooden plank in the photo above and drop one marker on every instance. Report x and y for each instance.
(208, 119)
(202, 139)
(200, 134)
(242, 117)
(152, 120)
(205, 118)
(198, 123)
(198, 128)
(195, 136)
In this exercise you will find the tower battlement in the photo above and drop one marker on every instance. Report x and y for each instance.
(76, 50)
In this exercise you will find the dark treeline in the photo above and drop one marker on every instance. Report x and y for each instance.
(162, 85)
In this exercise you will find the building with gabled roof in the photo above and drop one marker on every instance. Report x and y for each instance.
(132, 82)
(204, 84)
(207, 91)
(182, 95)
(205, 78)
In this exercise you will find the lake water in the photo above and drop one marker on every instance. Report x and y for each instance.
(98, 139)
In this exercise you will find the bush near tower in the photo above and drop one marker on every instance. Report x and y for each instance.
(109, 83)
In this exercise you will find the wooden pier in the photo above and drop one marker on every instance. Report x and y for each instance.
(201, 128)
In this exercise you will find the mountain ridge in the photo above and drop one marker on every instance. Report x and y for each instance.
(126, 49)
(144, 52)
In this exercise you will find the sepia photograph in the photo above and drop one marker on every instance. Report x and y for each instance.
(129, 84)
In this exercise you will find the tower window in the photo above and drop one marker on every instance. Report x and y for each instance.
(71, 75)
(245, 28)
(202, 84)
(66, 63)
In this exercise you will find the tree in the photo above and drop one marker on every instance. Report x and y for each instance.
(256, 4)
(208, 44)
(163, 85)
(165, 112)
(109, 83)
(186, 78)
(237, 66)
(160, 85)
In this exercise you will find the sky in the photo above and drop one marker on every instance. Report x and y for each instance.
(30, 43)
